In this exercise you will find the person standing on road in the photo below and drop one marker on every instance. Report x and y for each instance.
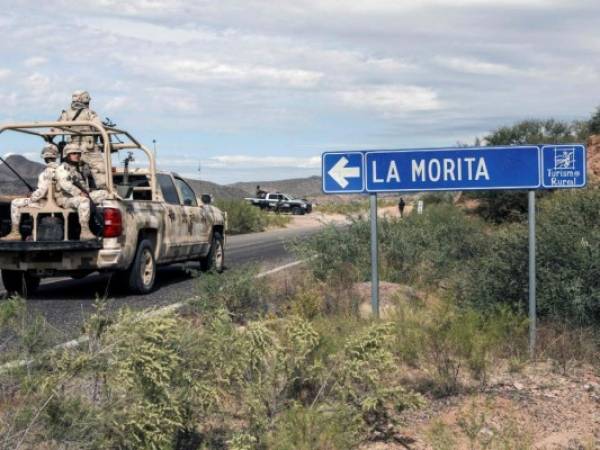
(73, 188)
(92, 153)
(401, 206)
(49, 155)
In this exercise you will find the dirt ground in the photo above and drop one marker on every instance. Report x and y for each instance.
(533, 406)
(537, 408)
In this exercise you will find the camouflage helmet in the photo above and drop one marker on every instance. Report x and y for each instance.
(71, 148)
(50, 151)
(76, 96)
(85, 97)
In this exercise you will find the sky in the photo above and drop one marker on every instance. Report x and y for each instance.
(245, 90)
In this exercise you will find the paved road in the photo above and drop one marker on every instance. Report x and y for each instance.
(66, 302)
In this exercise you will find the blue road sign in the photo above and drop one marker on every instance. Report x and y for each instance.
(563, 166)
(343, 172)
(453, 169)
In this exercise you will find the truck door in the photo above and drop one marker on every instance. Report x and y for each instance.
(197, 228)
(175, 236)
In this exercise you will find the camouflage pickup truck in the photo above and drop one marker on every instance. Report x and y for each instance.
(149, 219)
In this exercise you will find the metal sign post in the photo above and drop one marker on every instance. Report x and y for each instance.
(532, 302)
(374, 257)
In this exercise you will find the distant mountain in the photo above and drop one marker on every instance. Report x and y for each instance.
(10, 183)
(216, 190)
(298, 187)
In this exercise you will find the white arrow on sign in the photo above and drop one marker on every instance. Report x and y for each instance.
(339, 172)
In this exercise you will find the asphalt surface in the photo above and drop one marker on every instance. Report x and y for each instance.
(66, 303)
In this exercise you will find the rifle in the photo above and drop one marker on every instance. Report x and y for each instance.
(31, 189)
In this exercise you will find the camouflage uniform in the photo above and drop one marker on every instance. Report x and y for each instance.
(49, 152)
(92, 154)
(70, 178)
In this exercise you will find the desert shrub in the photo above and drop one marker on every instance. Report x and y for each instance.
(22, 332)
(308, 303)
(567, 261)
(425, 248)
(500, 275)
(304, 428)
(445, 339)
(435, 198)
(240, 293)
(568, 346)
(422, 248)
(569, 256)
(242, 217)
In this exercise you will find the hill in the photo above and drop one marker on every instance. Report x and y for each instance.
(216, 190)
(9, 182)
(298, 187)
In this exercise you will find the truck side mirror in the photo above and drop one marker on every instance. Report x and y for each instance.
(206, 199)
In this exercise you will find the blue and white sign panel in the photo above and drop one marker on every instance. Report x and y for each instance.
(563, 166)
(343, 173)
(453, 169)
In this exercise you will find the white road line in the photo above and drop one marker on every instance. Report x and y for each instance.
(169, 309)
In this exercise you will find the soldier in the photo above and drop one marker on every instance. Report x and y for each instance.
(49, 155)
(92, 154)
(73, 188)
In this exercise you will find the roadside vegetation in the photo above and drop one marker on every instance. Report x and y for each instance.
(354, 206)
(295, 361)
(242, 217)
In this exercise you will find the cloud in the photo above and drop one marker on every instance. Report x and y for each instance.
(474, 66)
(35, 61)
(255, 77)
(392, 100)
(253, 162)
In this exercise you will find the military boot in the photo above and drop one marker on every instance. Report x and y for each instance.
(14, 235)
(86, 234)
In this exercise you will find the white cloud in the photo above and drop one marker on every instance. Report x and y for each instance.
(35, 61)
(392, 100)
(4, 73)
(251, 161)
(474, 66)
(203, 71)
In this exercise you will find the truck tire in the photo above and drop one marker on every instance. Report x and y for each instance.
(297, 211)
(18, 282)
(216, 255)
(141, 275)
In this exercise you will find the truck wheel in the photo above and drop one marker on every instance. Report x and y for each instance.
(142, 273)
(216, 255)
(18, 282)
(297, 211)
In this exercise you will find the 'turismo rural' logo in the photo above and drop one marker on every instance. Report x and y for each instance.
(564, 172)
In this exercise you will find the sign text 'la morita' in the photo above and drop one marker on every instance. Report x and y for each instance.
(453, 169)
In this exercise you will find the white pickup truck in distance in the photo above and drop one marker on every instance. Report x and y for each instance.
(150, 218)
(278, 202)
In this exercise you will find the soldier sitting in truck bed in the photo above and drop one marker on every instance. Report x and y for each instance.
(50, 155)
(73, 188)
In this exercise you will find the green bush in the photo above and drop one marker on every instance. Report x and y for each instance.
(423, 248)
(567, 260)
(242, 217)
